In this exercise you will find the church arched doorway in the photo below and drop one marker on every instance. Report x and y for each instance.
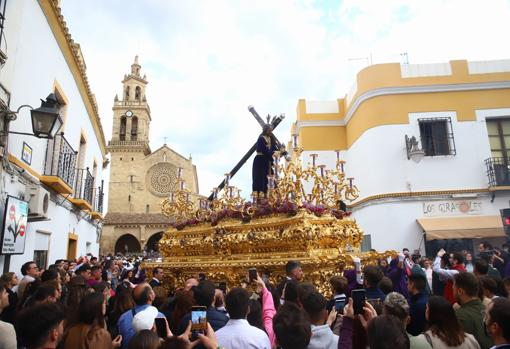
(127, 243)
(153, 242)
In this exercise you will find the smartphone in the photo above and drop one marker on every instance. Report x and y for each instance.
(198, 321)
(358, 300)
(339, 304)
(161, 327)
(223, 286)
(252, 274)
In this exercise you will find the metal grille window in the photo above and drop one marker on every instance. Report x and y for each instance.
(437, 136)
(499, 137)
(498, 169)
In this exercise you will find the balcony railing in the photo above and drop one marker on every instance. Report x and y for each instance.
(84, 188)
(60, 160)
(498, 171)
(98, 199)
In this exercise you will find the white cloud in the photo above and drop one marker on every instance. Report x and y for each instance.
(206, 61)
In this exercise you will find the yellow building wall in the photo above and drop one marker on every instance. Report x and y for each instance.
(393, 109)
(323, 138)
(389, 75)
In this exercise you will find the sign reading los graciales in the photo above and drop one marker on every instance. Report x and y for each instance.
(452, 208)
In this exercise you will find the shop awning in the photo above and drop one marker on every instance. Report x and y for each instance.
(467, 227)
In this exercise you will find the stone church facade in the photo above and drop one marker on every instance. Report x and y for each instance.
(140, 179)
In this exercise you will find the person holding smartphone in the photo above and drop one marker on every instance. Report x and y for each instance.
(268, 309)
(238, 333)
(203, 295)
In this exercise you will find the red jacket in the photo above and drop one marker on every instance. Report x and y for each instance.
(448, 289)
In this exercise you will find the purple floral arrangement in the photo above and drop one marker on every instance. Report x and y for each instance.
(262, 209)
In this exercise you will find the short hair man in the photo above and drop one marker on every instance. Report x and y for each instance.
(322, 336)
(417, 304)
(238, 333)
(30, 272)
(371, 277)
(93, 261)
(497, 322)
(484, 247)
(204, 296)
(143, 296)
(449, 274)
(470, 313)
(85, 271)
(481, 267)
(157, 277)
(41, 326)
(294, 271)
(396, 305)
(339, 285)
(95, 275)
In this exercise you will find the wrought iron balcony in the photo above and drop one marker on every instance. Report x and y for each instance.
(97, 209)
(498, 172)
(83, 189)
(60, 165)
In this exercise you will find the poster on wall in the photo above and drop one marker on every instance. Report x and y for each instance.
(26, 154)
(15, 225)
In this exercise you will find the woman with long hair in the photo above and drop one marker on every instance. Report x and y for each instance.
(90, 330)
(127, 276)
(77, 290)
(9, 280)
(183, 302)
(444, 329)
(255, 315)
(120, 303)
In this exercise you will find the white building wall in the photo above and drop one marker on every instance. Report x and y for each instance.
(35, 62)
(379, 164)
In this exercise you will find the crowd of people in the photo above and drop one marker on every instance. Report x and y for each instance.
(453, 300)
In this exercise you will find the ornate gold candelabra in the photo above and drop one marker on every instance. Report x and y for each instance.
(298, 218)
(178, 205)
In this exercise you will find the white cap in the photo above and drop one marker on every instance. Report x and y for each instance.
(144, 320)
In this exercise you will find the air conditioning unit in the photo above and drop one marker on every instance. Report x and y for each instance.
(38, 202)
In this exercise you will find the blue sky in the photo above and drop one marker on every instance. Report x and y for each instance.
(206, 61)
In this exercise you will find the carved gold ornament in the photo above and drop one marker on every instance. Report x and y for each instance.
(226, 237)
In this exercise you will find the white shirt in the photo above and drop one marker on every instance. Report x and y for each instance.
(444, 274)
(239, 334)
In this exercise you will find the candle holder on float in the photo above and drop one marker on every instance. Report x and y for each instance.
(299, 218)
(286, 193)
(178, 204)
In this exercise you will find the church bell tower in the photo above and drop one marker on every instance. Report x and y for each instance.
(131, 114)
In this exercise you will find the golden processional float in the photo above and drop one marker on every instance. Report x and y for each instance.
(225, 237)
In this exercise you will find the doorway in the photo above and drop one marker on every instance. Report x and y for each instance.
(127, 243)
(72, 246)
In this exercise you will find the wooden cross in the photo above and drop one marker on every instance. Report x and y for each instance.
(274, 122)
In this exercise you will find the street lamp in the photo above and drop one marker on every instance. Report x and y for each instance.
(413, 149)
(46, 120)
